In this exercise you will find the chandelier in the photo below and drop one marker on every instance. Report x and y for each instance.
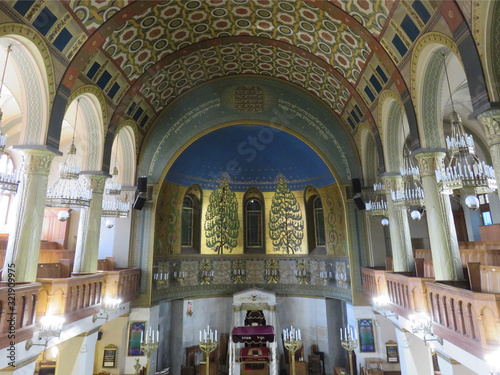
(112, 203)
(377, 206)
(464, 171)
(67, 191)
(3, 137)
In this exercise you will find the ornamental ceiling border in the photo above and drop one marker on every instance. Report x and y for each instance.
(33, 36)
(93, 90)
(422, 42)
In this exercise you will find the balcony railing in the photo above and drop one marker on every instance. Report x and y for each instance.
(468, 319)
(374, 281)
(26, 298)
(122, 283)
(407, 293)
(75, 297)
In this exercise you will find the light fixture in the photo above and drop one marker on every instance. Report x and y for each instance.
(384, 221)
(67, 191)
(3, 137)
(9, 178)
(416, 215)
(464, 171)
(302, 272)
(377, 206)
(112, 204)
(63, 215)
(110, 306)
(472, 202)
(109, 223)
(189, 311)
(421, 324)
(381, 305)
(50, 327)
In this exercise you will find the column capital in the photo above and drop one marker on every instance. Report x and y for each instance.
(392, 181)
(37, 160)
(96, 180)
(430, 159)
(491, 124)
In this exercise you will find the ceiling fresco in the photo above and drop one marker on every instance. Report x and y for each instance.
(164, 28)
(240, 58)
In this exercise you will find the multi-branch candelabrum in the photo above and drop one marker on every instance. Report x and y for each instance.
(208, 343)
(349, 342)
(293, 342)
(149, 344)
(110, 306)
(50, 327)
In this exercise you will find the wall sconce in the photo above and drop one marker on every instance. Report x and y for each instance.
(421, 323)
(110, 306)
(302, 272)
(189, 311)
(381, 305)
(326, 276)
(179, 275)
(50, 327)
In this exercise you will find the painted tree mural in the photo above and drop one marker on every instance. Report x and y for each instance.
(286, 227)
(221, 220)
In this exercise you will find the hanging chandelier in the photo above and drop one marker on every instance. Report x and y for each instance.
(113, 186)
(3, 137)
(112, 203)
(67, 191)
(377, 206)
(464, 171)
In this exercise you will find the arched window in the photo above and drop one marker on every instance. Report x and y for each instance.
(191, 221)
(319, 222)
(6, 167)
(254, 226)
(187, 221)
(253, 222)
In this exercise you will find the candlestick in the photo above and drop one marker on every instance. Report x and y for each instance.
(293, 343)
(349, 343)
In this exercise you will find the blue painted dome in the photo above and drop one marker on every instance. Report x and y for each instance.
(249, 155)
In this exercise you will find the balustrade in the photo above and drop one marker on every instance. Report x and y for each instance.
(466, 318)
(74, 297)
(26, 298)
(122, 283)
(407, 293)
(374, 281)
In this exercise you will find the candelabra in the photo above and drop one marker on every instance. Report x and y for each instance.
(349, 342)
(50, 327)
(302, 272)
(208, 343)
(293, 342)
(110, 306)
(377, 206)
(493, 361)
(326, 276)
(381, 305)
(149, 344)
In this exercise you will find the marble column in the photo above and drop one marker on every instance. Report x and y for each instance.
(89, 226)
(442, 233)
(23, 247)
(399, 227)
(491, 124)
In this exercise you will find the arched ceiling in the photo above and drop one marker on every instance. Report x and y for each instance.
(249, 156)
(145, 54)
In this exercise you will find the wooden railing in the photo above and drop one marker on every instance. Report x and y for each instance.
(374, 281)
(407, 293)
(486, 253)
(26, 298)
(466, 318)
(74, 297)
(122, 283)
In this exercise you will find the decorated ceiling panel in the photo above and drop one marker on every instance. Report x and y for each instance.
(94, 13)
(240, 58)
(167, 27)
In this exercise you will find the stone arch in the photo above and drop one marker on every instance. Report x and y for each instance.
(89, 128)
(29, 79)
(391, 116)
(123, 155)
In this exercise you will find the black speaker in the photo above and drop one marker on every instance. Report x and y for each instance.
(142, 184)
(356, 185)
(359, 202)
(139, 203)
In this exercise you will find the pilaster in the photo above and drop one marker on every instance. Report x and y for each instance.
(442, 233)
(491, 124)
(399, 227)
(23, 247)
(89, 226)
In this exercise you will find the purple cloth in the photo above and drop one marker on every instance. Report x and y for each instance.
(253, 334)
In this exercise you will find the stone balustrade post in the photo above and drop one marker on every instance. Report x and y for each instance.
(442, 232)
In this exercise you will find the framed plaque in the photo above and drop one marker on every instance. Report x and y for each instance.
(391, 349)
(109, 357)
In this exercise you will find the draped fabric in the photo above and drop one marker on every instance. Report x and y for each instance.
(253, 334)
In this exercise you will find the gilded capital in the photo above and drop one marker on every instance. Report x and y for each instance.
(491, 129)
(96, 182)
(37, 161)
(392, 181)
(429, 161)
